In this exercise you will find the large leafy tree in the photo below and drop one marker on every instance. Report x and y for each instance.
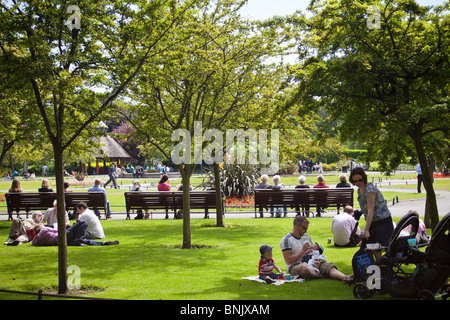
(381, 69)
(77, 58)
(216, 66)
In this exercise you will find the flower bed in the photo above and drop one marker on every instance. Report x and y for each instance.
(84, 183)
(240, 202)
(441, 176)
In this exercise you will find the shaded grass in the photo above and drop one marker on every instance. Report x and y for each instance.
(149, 264)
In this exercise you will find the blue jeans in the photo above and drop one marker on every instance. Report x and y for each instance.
(273, 276)
(273, 208)
(108, 210)
(111, 178)
(75, 235)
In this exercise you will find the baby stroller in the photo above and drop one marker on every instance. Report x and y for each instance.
(432, 266)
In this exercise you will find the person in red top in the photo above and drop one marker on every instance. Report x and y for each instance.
(164, 185)
(266, 265)
(320, 184)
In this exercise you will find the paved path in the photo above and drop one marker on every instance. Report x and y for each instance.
(403, 206)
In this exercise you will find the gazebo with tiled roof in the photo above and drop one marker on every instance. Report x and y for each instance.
(111, 150)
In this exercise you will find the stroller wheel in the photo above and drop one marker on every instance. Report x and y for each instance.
(426, 295)
(360, 291)
(445, 292)
(384, 287)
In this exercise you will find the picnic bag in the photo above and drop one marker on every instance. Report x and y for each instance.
(360, 262)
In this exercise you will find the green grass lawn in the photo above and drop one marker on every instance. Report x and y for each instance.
(148, 263)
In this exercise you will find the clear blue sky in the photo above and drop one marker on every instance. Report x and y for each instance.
(263, 9)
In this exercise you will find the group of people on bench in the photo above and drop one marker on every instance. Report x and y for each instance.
(305, 210)
(45, 187)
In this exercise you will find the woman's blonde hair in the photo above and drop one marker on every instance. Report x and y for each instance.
(15, 186)
(45, 183)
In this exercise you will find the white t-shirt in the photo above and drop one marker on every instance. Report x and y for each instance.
(342, 227)
(94, 229)
(51, 218)
(289, 242)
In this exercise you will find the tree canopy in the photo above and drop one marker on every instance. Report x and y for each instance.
(76, 59)
(387, 84)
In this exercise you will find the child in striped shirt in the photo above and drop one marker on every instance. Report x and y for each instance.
(266, 265)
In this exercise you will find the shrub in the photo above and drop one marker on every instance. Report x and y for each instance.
(236, 180)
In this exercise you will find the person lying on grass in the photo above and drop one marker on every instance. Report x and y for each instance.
(298, 244)
(75, 236)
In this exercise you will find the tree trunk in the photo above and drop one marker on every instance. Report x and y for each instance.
(431, 210)
(219, 200)
(5, 148)
(61, 209)
(186, 175)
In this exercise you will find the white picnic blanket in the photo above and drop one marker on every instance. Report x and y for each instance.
(277, 282)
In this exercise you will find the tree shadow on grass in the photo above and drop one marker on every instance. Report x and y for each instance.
(236, 288)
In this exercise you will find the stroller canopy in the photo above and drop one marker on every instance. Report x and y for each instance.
(439, 249)
(398, 246)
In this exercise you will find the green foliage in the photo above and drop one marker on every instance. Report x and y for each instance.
(355, 154)
(236, 180)
(75, 71)
(386, 87)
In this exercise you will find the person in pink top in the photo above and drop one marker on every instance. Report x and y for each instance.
(320, 184)
(164, 185)
(75, 236)
(45, 236)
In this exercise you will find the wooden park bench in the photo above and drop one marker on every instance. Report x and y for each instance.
(30, 201)
(295, 198)
(170, 200)
(92, 199)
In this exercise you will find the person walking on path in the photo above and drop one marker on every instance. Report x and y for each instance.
(112, 176)
(419, 178)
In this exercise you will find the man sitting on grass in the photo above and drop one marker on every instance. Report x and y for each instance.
(94, 228)
(298, 244)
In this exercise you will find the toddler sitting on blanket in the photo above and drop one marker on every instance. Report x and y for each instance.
(266, 265)
(314, 254)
